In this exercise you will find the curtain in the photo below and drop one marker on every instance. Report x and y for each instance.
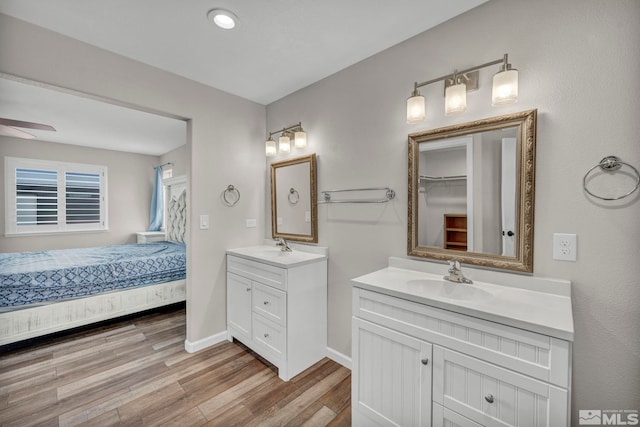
(157, 202)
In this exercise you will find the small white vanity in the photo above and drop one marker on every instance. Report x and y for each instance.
(426, 351)
(277, 304)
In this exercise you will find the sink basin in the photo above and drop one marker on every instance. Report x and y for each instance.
(273, 254)
(445, 289)
(267, 252)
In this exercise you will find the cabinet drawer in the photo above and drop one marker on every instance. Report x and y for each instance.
(264, 273)
(270, 337)
(270, 302)
(537, 355)
(443, 417)
(494, 396)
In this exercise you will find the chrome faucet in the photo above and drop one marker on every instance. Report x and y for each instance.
(455, 273)
(284, 246)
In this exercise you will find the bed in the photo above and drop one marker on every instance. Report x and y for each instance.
(50, 291)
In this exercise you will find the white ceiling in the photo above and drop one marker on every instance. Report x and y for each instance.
(87, 122)
(280, 46)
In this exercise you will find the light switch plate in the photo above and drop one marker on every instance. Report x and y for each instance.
(204, 222)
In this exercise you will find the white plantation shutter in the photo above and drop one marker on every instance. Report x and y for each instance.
(36, 193)
(82, 198)
(51, 197)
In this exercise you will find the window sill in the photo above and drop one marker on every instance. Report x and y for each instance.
(50, 233)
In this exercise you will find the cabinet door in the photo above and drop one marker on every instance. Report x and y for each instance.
(391, 377)
(239, 305)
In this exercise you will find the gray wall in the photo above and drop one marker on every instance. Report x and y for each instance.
(573, 57)
(130, 182)
(224, 133)
(180, 159)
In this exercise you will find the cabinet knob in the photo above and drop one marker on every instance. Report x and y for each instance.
(267, 336)
(248, 289)
(489, 398)
(266, 303)
(425, 361)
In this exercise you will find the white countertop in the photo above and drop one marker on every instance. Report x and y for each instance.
(272, 255)
(543, 312)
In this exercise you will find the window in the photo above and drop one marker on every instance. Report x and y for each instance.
(50, 197)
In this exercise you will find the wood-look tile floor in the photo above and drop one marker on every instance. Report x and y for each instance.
(136, 372)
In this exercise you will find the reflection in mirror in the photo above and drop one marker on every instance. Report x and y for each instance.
(294, 208)
(471, 192)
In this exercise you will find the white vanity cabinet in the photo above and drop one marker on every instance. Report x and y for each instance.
(415, 364)
(277, 306)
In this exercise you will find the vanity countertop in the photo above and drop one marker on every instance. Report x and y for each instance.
(538, 311)
(272, 255)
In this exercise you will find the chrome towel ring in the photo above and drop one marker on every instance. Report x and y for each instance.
(293, 196)
(231, 196)
(611, 164)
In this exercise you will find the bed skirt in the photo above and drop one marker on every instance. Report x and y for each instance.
(36, 321)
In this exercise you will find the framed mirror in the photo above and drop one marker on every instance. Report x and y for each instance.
(294, 200)
(471, 192)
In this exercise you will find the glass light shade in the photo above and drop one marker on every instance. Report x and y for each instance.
(455, 99)
(415, 109)
(505, 87)
(300, 139)
(284, 144)
(270, 148)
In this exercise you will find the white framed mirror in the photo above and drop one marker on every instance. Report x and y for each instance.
(471, 192)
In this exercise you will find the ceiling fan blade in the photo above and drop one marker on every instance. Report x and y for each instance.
(28, 125)
(7, 130)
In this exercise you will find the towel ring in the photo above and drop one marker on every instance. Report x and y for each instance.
(293, 196)
(611, 164)
(233, 193)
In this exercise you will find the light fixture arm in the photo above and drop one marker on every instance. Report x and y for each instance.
(504, 61)
(293, 128)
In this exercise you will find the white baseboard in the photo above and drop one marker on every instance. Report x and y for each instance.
(192, 347)
(338, 357)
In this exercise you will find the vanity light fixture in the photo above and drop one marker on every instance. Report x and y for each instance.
(284, 141)
(505, 89)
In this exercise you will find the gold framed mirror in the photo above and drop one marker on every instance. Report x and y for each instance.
(294, 199)
(472, 192)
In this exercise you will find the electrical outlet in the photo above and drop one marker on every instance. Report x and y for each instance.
(565, 247)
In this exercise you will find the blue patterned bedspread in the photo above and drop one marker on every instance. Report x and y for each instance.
(36, 277)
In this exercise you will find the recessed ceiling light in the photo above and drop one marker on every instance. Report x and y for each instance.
(223, 18)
